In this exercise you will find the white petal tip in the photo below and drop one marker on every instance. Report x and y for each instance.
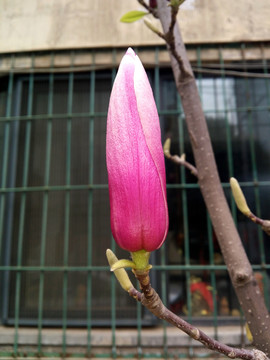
(131, 52)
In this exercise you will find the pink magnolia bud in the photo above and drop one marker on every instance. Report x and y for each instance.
(135, 161)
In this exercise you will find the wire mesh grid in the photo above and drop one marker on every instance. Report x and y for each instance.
(56, 288)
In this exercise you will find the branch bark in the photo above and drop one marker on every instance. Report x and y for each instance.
(150, 299)
(238, 265)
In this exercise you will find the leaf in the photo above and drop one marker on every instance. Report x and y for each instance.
(132, 16)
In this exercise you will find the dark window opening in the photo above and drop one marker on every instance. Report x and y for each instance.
(56, 223)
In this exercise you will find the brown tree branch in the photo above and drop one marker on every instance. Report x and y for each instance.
(265, 224)
(169, 35)
(180, 160)
(239, 268)
(150, 299)
(170, 40)
(174, 12)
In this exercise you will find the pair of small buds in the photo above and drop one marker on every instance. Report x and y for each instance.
(139, 264)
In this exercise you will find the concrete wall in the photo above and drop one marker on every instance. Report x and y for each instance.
(63, 24)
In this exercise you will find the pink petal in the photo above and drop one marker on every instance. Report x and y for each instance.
(135, 161)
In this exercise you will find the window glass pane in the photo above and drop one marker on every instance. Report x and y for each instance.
(58, 152)
(3, 95)
(81, 93)
(3, 102)
(80, 161)
(40, 97)
(237, 139)
(253, 98)
(60, 95)
(100, 170)
(60, 227)
(70, 225)
(103, 87)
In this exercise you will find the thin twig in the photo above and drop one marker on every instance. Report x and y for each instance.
(265, 224)
(179, 160)
(170, 40)
(169, 36)
(150, 25)
(150, 299)
(148, 8)
(135, 294)
(174, 12)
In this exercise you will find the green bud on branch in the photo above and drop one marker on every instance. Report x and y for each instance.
(167, 148)
(176, 3)
(239, 197)
(152, 27)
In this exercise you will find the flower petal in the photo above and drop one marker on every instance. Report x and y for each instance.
(139, 218)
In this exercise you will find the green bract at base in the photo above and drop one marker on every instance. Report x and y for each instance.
(140, 262)
(120, 274)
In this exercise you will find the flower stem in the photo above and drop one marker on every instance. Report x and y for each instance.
(141, 260)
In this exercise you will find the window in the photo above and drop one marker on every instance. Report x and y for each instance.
(57, 221)
(54, 209)
(238, 122)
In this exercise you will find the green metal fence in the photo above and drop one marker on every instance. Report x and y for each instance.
(56, 288)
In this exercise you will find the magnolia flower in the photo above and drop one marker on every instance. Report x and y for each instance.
(135, 161)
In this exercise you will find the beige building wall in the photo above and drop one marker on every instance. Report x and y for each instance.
(65, 24)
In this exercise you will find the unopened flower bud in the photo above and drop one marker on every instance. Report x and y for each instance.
(135, 161)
